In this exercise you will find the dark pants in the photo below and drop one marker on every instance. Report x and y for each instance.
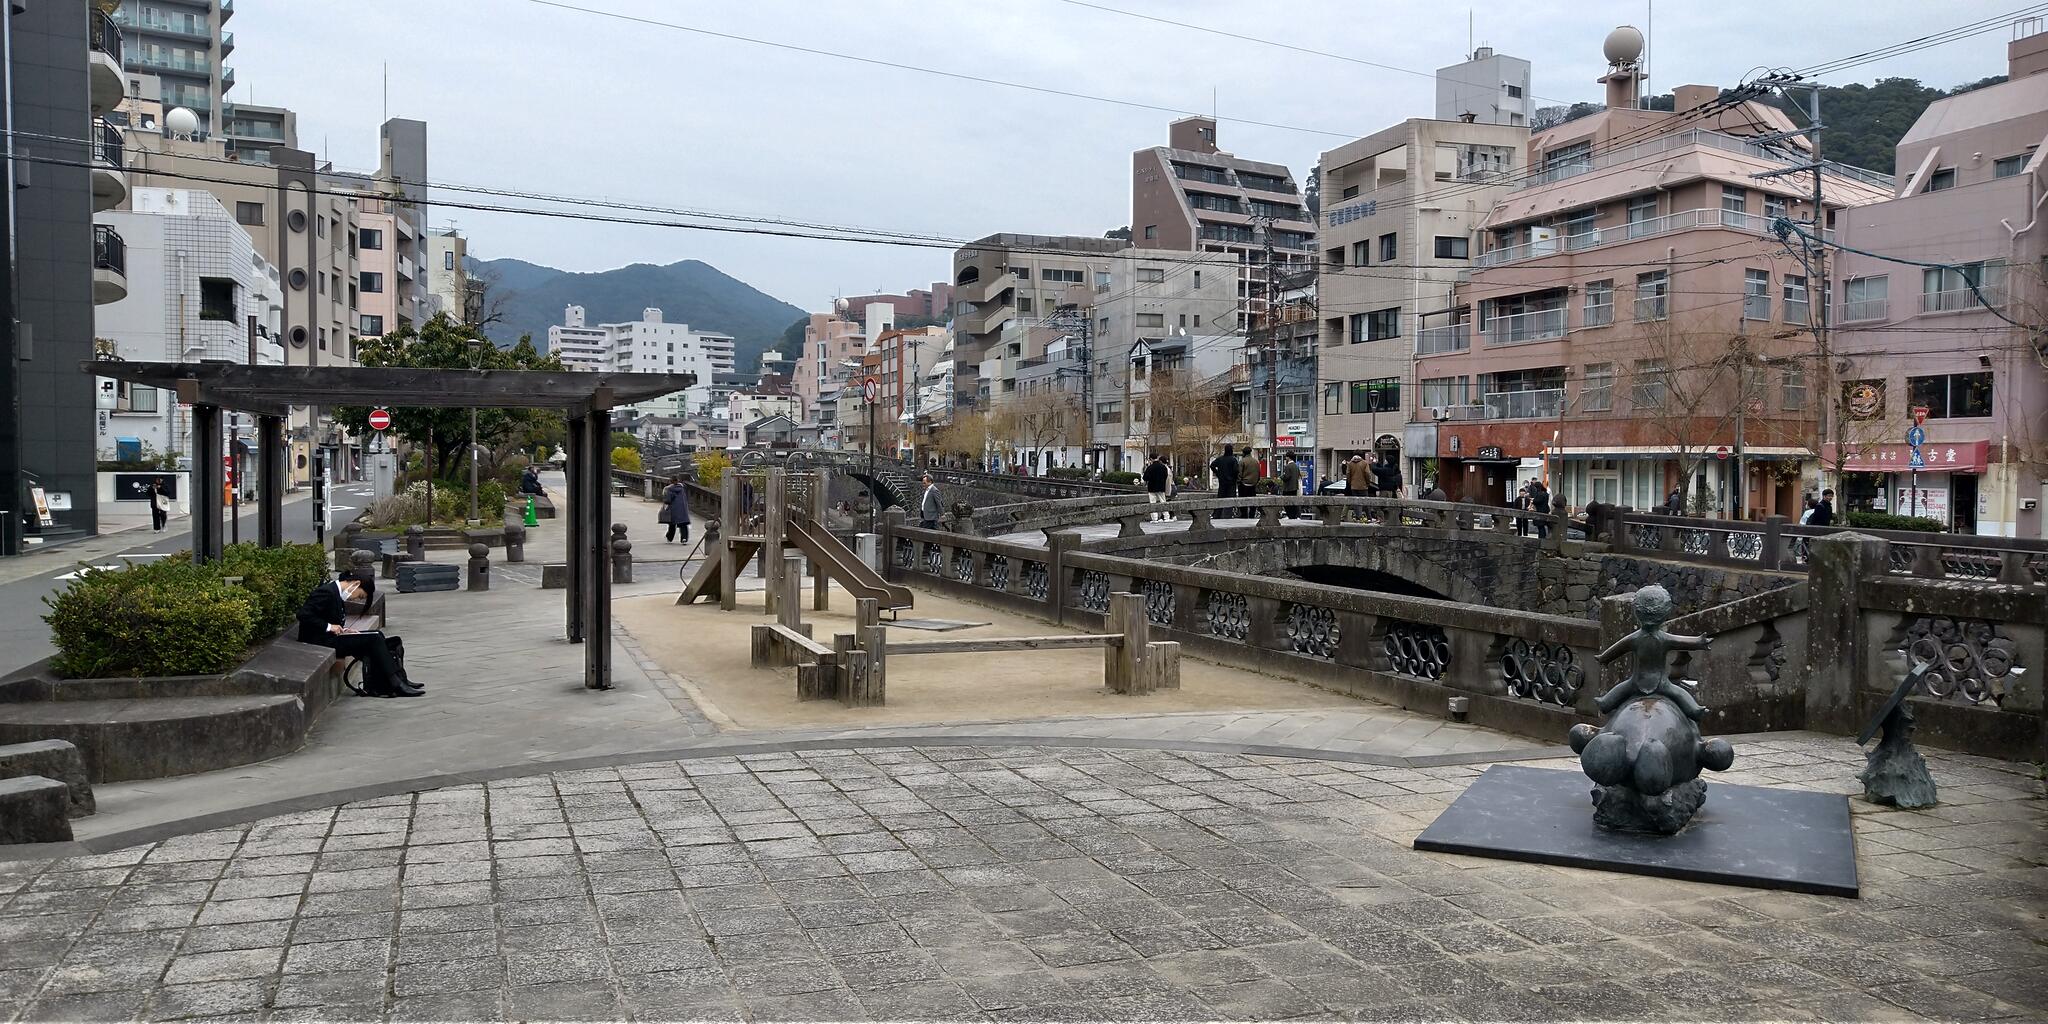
(673, 527)
(1224, 491)
(157, 517)
(927, 524)
(374, 650)
(1292, 491)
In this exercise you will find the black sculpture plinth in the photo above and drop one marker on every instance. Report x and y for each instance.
(1745, 835)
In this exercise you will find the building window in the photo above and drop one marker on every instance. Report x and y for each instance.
(448, 260)
(323, 283)
(1109, 412)
(1864, 298)
(1023, 303)
(1333, 398)
(1944, 289)
(1151, 275)
(1579, 223)
(1952, 395)
(1381, 395)
(1335, 257)
(370, 238)
(1438, 392)
(1453, 247)
(1151, 231)
(1597, 393)
(249, 213)
(372, 283)
(372, 326)
(2007, 166)
(1652, 289)
(1795, 299)
(1389, 247)
(1156, 321)
(217, 299)
(1361, 253)
(1021, 273)
(1515, 92)
(1774, 206)
(1942, 180)
(1650, 384)
(139, 398)
(1350, 192)
(1599, 303)
(1061, 276)
(323, 339)
(1734, 199)
(1382, 324)
(320, 226)
(1792, 393)
(1756, 295)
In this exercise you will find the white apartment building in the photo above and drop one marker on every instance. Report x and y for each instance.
(647, 345)
(195, 282)
(580, 346)
(1491, 88)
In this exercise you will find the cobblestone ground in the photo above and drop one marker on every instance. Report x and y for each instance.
(1012, 883)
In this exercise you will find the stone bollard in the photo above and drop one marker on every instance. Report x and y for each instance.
(416, 543)
(622, 555)
(479, 567)
(344, 543)
(363, 562)
(515, 542)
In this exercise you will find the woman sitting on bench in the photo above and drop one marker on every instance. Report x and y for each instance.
(323, 620)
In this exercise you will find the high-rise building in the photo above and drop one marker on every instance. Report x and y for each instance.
(184, 43)
(65, 77)
(576, 343)
(254, 132)
(1190, 195)
(448, 275)
(647, 345)
(1487, 88)
(391, 216)
(1176, 311)
(1401, 213)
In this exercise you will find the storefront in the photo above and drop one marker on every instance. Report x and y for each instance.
(1946, 487)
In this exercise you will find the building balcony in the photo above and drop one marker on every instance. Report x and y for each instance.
(406, 269)
(109, 266)
(109, 179)
(1545, 404)
(1435, 341)
(1865, 309)
(985, 321)
(227, 44)
(227, 10)
(227, 79)
(1683, 220)
(1522, 328)
(1958, 299)
(1687, 140)
(163, 62)
(108, 81)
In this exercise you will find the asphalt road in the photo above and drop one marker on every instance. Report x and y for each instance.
(25, 639)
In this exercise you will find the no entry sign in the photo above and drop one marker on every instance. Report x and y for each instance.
(380, 419)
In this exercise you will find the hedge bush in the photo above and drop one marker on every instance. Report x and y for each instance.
(1068, 472)
(173, 618)
(1888, 521)
(1119, 476)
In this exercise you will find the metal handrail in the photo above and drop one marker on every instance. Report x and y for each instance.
(109, 252)
(105, 36)
(107, 144)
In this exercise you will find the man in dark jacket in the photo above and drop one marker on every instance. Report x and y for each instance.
(1155, 487)
(1824, 513)
(1224, 466)
(1290, 483)
(1539, 502)
(1386, 475)
(323, 621)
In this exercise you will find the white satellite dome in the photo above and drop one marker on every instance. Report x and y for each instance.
(1624, 45)
(181, 121)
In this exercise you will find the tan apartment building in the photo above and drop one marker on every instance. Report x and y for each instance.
(1922, 340)
(1191, 196)
(1401, 216)
(1632, 314)
(831, 353)
(1005, 277)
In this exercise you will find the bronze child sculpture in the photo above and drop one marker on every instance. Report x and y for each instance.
(1645, 762)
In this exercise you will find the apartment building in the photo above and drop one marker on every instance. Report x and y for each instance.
(576, 343)
(1486, 88)
(385, 292)
(255, 132)
(1191, 196)
(1401, 215)
(830, 357)
(185, 44)
(900, 360)
(1632, 314)
(1939, 343)
(933, 304)
(1284, 350)
(1158, 306)
(448, 275)
(1005, 277)
(197, 290)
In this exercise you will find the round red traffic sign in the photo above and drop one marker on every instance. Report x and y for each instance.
(1721, 452)
(380, 419)
(870, 389)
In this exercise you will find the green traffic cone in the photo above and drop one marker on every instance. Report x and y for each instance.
(532, 515)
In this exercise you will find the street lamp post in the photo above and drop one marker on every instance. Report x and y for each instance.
(476, 355)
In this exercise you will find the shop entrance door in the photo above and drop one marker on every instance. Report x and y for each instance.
(1962, 503)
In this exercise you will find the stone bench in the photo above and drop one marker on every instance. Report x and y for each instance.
(51, 759)
(33, 809)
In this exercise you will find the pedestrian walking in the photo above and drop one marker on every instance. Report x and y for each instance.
(1824, 513)
(1290, 484)
(159, 506)
(1386, 476)
(1806, 510)
(1225, 469)
(1539, 503)
(1156, 477)
(928, 505)
(675, 509)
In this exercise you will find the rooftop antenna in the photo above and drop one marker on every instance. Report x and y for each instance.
(1471, 51)
(387, 90)
(1649, 33)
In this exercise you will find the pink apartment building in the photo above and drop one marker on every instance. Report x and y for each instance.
(1630, 313)
(1971, 189)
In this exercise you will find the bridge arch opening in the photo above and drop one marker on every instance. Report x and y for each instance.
(1358, 578)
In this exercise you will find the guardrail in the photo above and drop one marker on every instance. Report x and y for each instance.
(1132, 511)
(1778, 543)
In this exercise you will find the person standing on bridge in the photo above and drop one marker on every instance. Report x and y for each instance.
(675, 509)
(1225, 468)
(1290, 483)
(928, 506)
(1156, 478)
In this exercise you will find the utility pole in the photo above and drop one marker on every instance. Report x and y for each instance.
(1265, 230)
(1812, 255)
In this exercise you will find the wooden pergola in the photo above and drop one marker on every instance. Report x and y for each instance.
(269, 393)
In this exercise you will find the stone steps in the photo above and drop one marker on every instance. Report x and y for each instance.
(126, 740)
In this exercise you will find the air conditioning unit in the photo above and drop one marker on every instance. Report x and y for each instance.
(1439, 413)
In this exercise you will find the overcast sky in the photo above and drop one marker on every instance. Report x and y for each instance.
(523, 96)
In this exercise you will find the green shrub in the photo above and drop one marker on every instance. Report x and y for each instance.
(711, 467)
(490, 500)
(278, 578)
(161, 618)
(627, 459)
(1122, 477)
(1068, 472)
(1888, 521)
(540, 453)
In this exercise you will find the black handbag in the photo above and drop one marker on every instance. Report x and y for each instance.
(662, 516)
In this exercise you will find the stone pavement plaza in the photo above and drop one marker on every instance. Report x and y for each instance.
(1014, 882)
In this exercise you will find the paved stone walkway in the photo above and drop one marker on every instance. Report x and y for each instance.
(1014, 883)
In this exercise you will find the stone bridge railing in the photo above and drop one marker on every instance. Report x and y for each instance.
(1132, 511)
(1778, 543)
(1815, 654)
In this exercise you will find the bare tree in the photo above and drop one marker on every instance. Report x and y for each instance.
(483, 297)
(1047, 418)
(1696, 389)
(1185, 417)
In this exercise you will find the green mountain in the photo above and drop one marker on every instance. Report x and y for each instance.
(530, 298)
